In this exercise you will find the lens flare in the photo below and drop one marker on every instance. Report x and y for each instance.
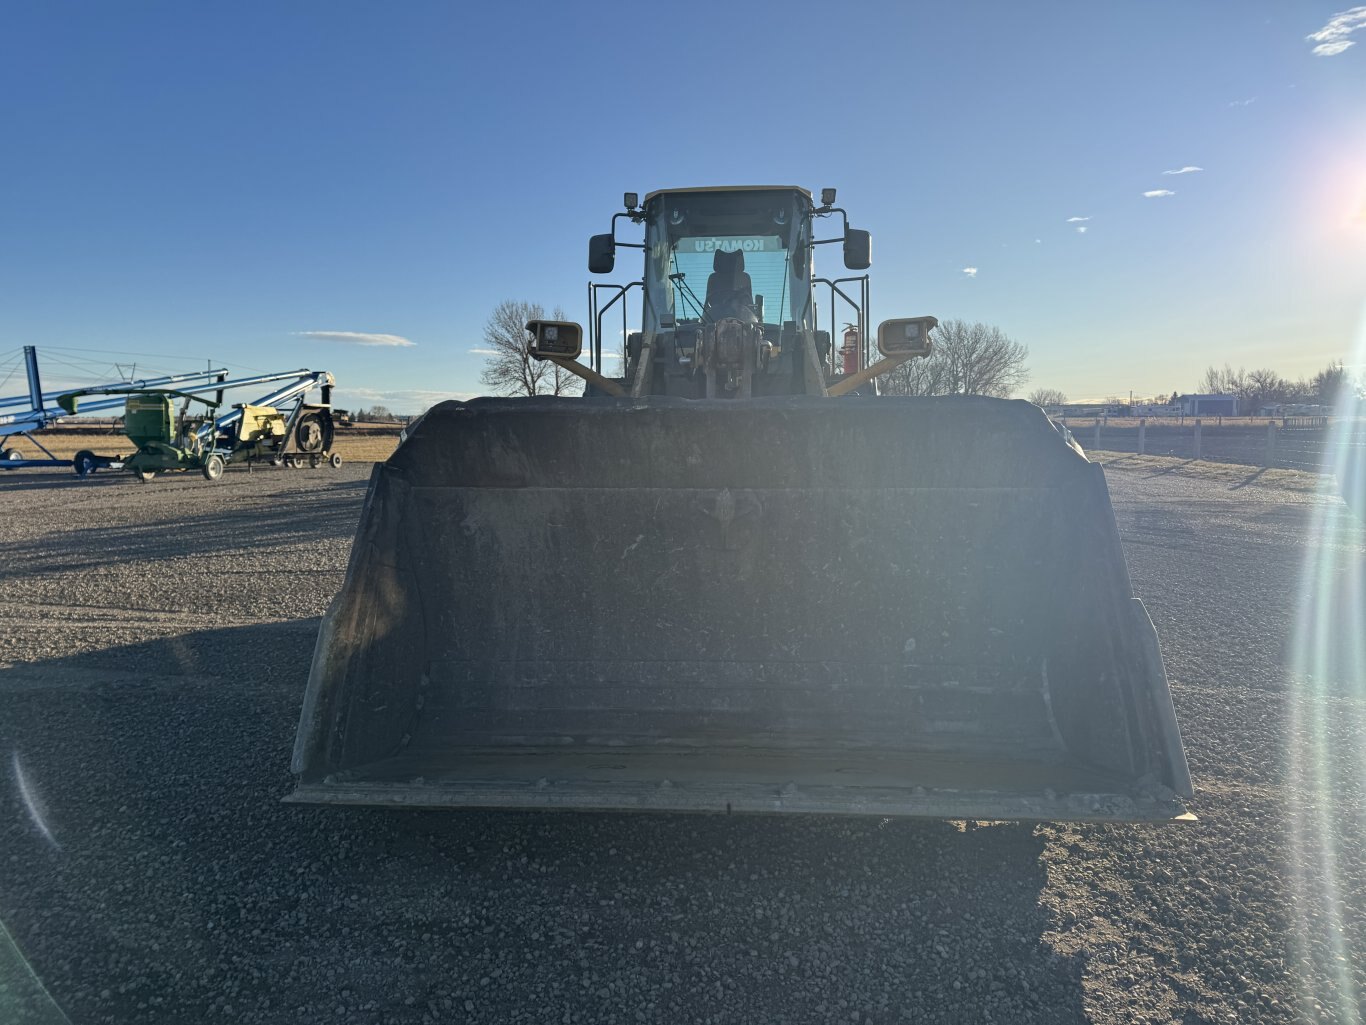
(32, 801)
(23, 997)
(1327, 757)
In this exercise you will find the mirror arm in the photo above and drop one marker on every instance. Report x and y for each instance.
(615, 241)
(826, 211)
(848, 384)
(591, 376)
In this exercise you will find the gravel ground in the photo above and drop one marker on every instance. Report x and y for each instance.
(154, 647)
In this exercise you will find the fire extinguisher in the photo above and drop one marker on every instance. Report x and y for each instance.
(849, 351)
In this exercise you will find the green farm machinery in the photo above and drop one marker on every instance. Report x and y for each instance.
(281, 428)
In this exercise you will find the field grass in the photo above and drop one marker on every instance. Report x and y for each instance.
(356, 445)
(1082, 423)
(1232, 474)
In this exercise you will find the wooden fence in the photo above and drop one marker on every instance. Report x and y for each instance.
(1296, 443)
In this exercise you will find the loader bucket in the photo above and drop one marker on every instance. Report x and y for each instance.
(882, 607)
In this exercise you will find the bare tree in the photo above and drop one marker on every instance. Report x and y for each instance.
(1254, 389)
(1268, 388)
(509, 370)
(1047, 397)
(1330, 385)
(1224, 382)
(967, 359)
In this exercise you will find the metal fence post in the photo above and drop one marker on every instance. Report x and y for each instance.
(1197, 437)
(1142, 430)
(1270, 443)
(1097, 444)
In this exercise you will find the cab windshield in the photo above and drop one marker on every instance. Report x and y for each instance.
(728, 254)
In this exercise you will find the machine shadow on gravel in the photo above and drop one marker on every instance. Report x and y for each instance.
(169, 534)
(160, 767)
(66, 479)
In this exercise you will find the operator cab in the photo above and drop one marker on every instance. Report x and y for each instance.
(727, 290)
(728, 309)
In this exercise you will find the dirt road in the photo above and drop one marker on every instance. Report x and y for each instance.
(154, 642)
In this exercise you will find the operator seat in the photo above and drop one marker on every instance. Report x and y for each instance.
(728, 286)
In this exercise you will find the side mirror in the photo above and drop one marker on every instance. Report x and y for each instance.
(562, 339)
(906, 336)
(602, 254)
(858, 249)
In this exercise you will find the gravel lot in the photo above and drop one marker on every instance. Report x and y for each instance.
(155, 643)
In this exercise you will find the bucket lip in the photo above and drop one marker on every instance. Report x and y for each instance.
(579, 403)
(667, 440)
(750, 798)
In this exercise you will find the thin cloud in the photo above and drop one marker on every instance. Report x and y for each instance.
(1243, 103)
(1188, 169)
(1158, 193)
(1081, 229)
(484, 352)
(407, 398)
(1074, 220)
(970, 271)
(356, 338)
(1332, 38)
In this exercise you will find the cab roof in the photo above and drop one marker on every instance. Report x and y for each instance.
(729, 188)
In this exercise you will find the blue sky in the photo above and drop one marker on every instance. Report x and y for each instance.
(214, 179)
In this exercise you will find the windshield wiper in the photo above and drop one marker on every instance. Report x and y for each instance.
(680, 278)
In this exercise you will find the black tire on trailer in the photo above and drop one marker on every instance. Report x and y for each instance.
(9, 455)
(314, 461)
(313, 432)
(336, 460)
(84, 463)
(213, 466)
(146, 476)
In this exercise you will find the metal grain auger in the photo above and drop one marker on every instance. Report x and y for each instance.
(712, 584)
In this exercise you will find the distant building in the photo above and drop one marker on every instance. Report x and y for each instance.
(1156, 409)
(1208, 405)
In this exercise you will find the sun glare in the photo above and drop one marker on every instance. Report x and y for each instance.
(1328, 665)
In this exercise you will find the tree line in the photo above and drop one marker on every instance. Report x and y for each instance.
(1266, 387)
(1254, 389)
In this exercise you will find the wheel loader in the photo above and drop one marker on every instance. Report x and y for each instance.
(732, 577)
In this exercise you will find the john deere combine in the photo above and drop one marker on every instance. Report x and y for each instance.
(733, 578)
